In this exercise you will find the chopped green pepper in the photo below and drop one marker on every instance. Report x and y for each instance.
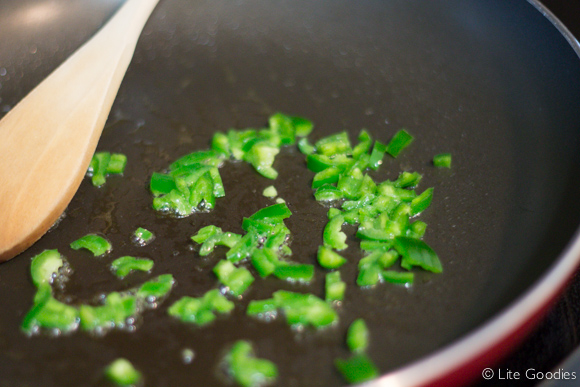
(334, 287)
(357, 369)
(201, 311)
(96, 244)
(45, 266)
(400, 141)
(357, 336)
(124, 265)
(49, 313)
(122, 373)
(442, 160)
(248, 370)
(329, 259)
(143, 236)
(237, 280)
(415, 252)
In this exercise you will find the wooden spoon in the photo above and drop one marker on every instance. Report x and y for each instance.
(48, 139)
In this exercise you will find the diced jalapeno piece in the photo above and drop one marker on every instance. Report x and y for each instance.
(359, 368)
(201, 311)
(156, 288)
(415, 252)
(400, 141)
(248, 370)
(357, 336)
(329, 259)
(98, 168)
(302, 126)
(421, 202)
(333, 236)
(143, 236)
(45, 266)
(96, 244)
(295, 272)
(117, 164)
(122, 373)
(305, 147)
(49, 313)
(161, 184)
(124, 265)
(115, 312)
(237, 280)
(270, 192)
(397, 277)
(442, 160)
(334, 287)
(377, 155)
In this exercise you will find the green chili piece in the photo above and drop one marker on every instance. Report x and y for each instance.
(45, 266)
(263, 309)
(49, 313)
(407, 179)
(417, 229)
(277, 211)
(400, 141)
(122, 373)
(442, 160)
(377, 155)
(305, 146)
(302, 126)
(357, 336)
(421, 202)
(329, 259)
(206, 157)
(295, 272)
(143, 236)
(333, 145)
(220, 144)
(113, 313)
(334, 287)
(204, 233)
(368, 245)
(124, 265)
(98, 168)
(117, 164)
(270, 192)
(94, 243)
(264, 261)
(174, 202)
(305, 309)
(161, 184)
(237, 280)
(327, 193)
(357, 369)
(364, 145)
(327, 176)
(415, 252)
(262, 156)
(350, 185)
(201, 311)
(333, 236)
(397, 277)
(156, 288)
(244, 247)
(283, 126)
(202, 193)
(248, 370)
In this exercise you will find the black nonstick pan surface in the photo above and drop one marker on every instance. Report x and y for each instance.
(493, 82)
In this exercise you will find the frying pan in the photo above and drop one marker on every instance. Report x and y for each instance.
(494, 82)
